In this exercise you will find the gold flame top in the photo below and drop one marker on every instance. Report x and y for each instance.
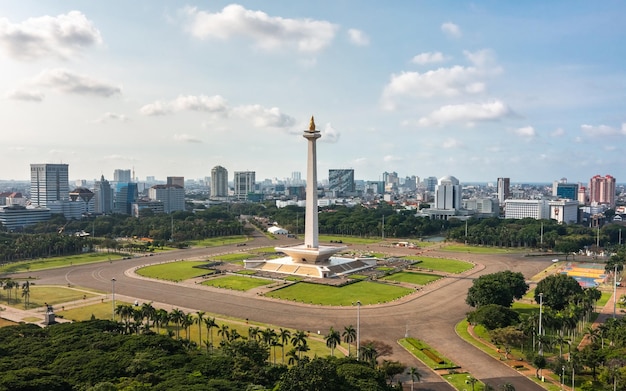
(312, 125)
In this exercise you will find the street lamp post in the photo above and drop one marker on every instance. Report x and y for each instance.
(573, 384)
(562, 376)
(358, 330)
(113, 298)
(614, 290)
(540, 329)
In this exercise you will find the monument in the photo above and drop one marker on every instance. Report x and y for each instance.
(310, 258)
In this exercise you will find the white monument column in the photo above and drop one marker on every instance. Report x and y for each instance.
(311, 224)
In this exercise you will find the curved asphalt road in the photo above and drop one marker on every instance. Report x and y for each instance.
(429, 315)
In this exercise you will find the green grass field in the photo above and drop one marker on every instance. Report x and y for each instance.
(39, 295)
(99, 311)
(220, 241)
(348, 239)
(441, 264)
(461, 248)
(233, 258)
(238, 283)
(364, 291)
(174, 271)
(55, 262)
(413, 278)
(417, 347)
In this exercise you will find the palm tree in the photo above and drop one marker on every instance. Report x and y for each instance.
(210, 324)
(298, 339)
(187, 323)
(368, 353)
(199, 320)
(125, 312)
(284, 336)
(177, 316)
(223, 331)
(26, 293)
(349, 336)
(293, 357)
(161, 318)
(415, 375)
(234, 335)
(332, 340)
(253, 332)
(149, 312)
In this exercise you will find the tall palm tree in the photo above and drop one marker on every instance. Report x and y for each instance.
(149, 312)
(26, 293)
(254, 332)
(284, 336)
(369, 353)
(415, 375)
(187, 322)
(298, 339)
(332, 340)
(199, 320)
(349, 336)
(161, 318)
(210, 324)
(223, 331)
(177, 316)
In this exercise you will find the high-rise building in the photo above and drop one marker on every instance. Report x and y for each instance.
(103, 196)
(120, 175)
(244, 183)
(125, 195)
(431, 183)
(176, 180)
(341, 181)
(602, 190)
(504, 189)
(567, 190)
(219, 182)
(172, 197)
(49, 186)
(448, 194)
(521, 209)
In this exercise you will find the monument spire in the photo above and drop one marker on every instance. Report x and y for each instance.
(311, 224)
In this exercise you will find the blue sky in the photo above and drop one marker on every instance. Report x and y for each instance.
(532, 90)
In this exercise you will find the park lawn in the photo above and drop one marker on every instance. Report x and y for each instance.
(413, 277)
(462, 248)
(103, 310)
(348, 239)
(55, 262)
(604, 299)
(384, 268)
(417, 347)
(460, 381)
(366, 292)
(219, 241)
(5, 323)
(39, 295)
(441, 264)
(525, 308)
(233, 258)
(263, 250)
(238, 283)
(174, 271)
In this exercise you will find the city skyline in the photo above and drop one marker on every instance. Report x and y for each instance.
(530, 91)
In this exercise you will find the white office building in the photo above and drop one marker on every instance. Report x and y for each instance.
(564, 211)
(448, 194)
(521, 209)
(219, 182)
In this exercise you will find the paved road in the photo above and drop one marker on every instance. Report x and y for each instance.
(429, 315)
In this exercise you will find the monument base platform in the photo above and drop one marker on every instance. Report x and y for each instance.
(332, 267)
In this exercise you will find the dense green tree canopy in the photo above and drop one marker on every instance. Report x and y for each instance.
(497, 288)
(493, 316)
(558, 290)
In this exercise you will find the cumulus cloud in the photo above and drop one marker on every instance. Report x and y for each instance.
(451, 30)
(264, 117)
(445, 82)
(108, 116)
(429, 58)
(329, 134)
(212, 104)
(527, 132)
(358, 37)
(467, 113)
(558, 133)
(59, 36)
(29, 96)
(70, 82)
(268, 32)
(603, 130)
(451, 143)
(391, 158)
(187, 138)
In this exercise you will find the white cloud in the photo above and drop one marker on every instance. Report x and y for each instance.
(451, 30)
(527, 132)
(481, 58)
(391, 158)
(269, 32)
(451, 143)
(429, 58)
(108, 116)
(211, 104)
(187, 138)
(30, 96)
(263, 117)
(358, 37)
(70, 82)
(558, 133)
(610, 148)
(59, 36)
(602, 130)
(330, 134)
(468, 113)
